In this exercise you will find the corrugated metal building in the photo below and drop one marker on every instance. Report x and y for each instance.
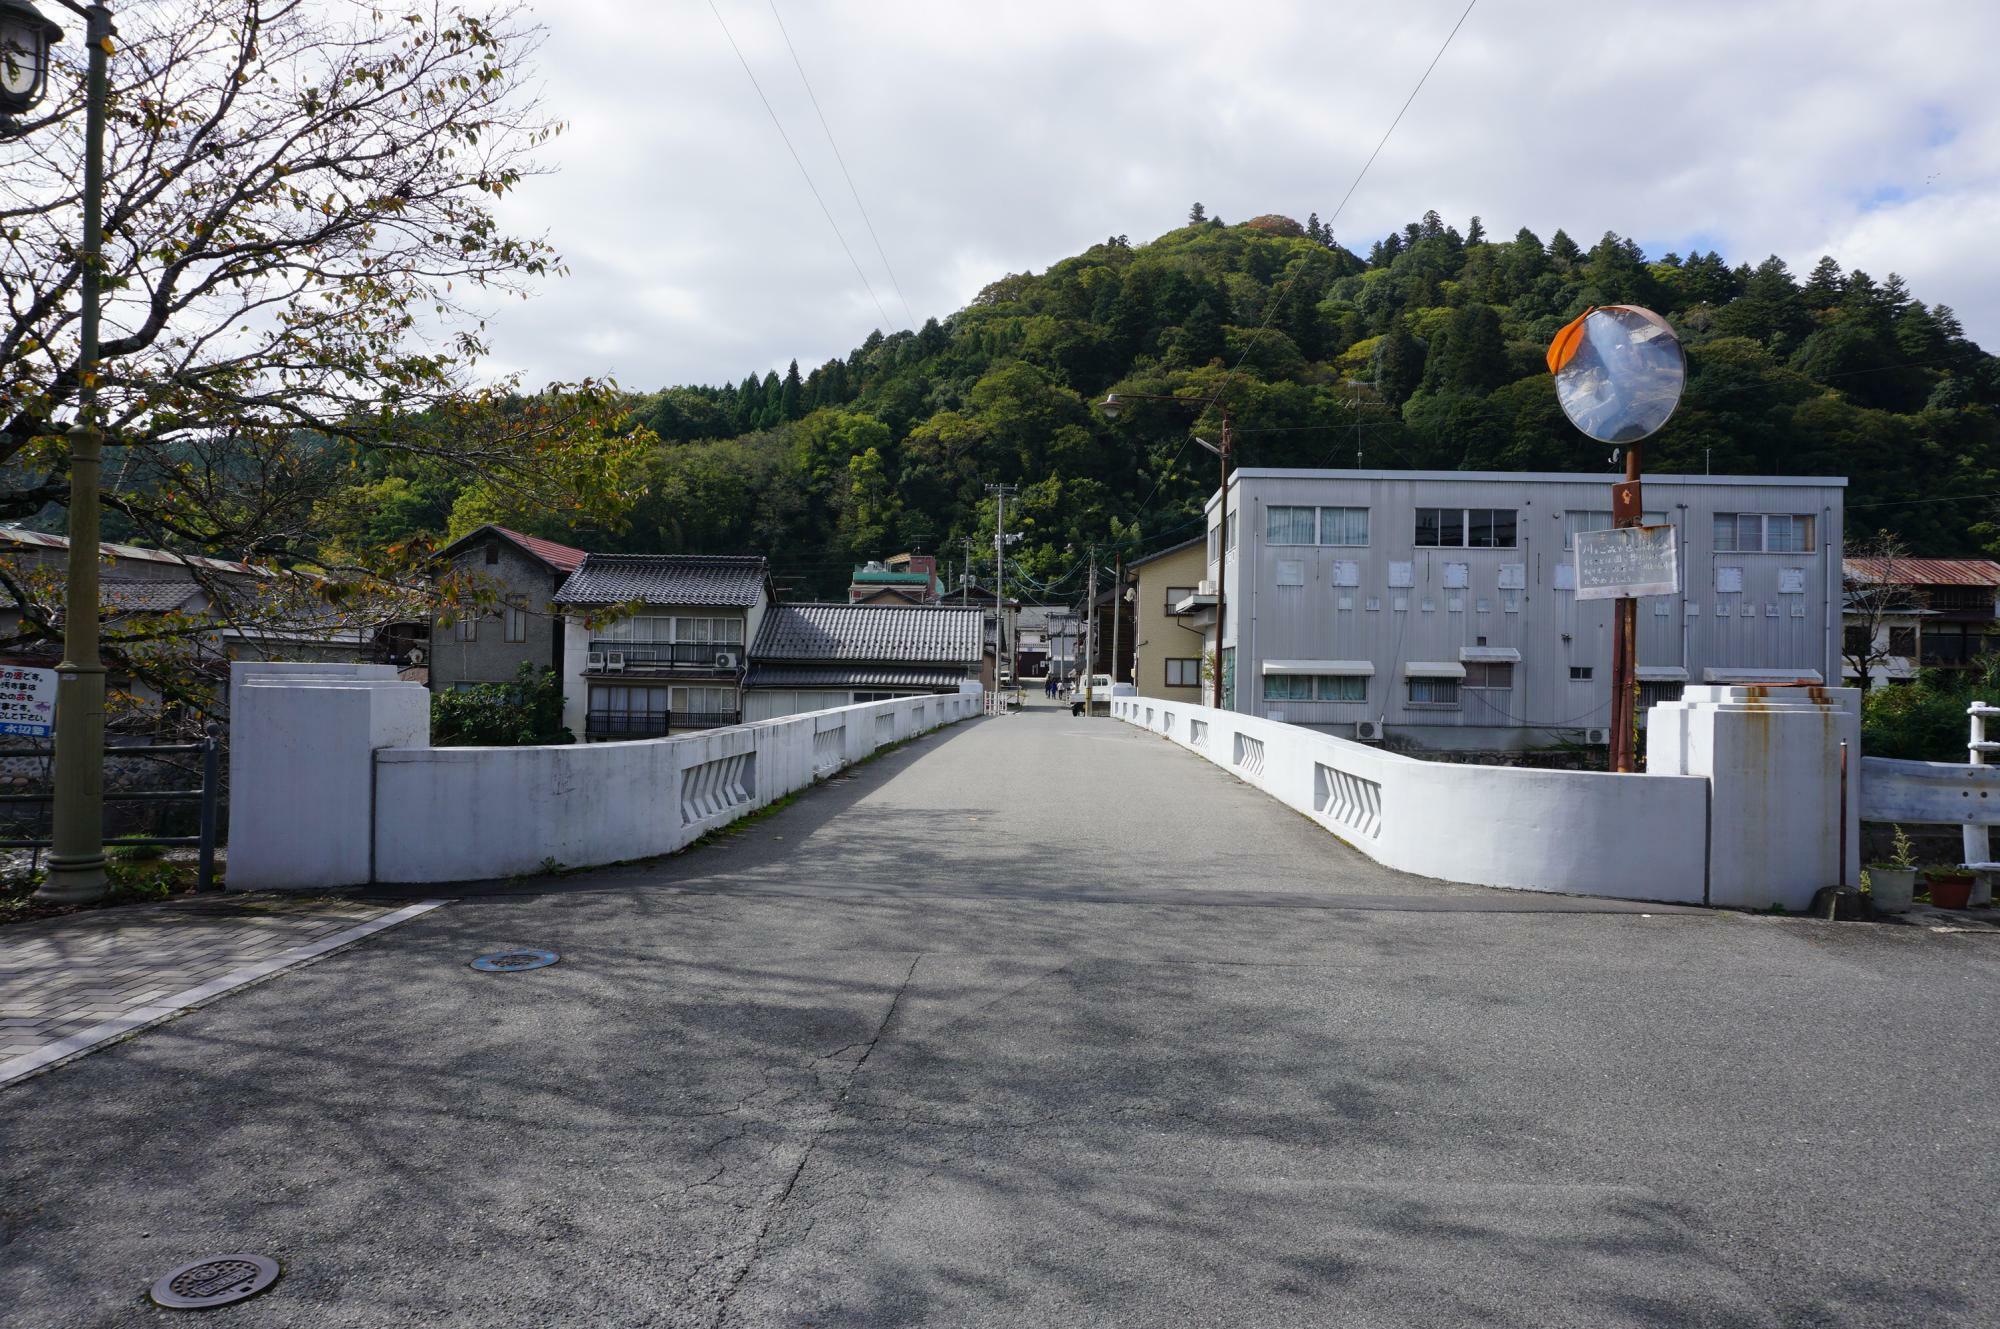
(1441, 605)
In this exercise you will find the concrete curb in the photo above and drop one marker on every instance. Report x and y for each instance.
(179, 1003)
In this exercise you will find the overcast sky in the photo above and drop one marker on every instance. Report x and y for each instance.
(988, 138)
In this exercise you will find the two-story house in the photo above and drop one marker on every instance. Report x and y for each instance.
(655, 643)
(1440, 608)
(1166, 650)
(497, 608)
(1906, 614)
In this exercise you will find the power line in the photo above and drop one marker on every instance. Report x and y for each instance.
(1399, 115)
(865, 221)
(1271, 306)
(886, 320)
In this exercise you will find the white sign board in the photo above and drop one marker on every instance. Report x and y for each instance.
(1627, 561)
(27, 701)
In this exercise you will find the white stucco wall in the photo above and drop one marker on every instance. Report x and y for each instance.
(1635, 837)
(333, 783)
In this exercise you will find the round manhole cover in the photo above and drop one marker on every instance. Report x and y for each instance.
(508, 962)
(219, 1280)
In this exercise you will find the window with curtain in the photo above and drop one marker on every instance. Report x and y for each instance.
(1289, 526)
(1433, 691)
(1343, 526)
(1763, 533)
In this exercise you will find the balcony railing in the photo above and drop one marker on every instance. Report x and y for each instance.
(654, 724)
(653, 656)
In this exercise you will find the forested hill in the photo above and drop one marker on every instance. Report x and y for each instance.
(1427, 353)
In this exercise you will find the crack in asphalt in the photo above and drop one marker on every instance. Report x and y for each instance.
(776, 1207)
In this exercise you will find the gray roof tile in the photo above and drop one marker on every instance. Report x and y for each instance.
(666, 579)
(896, 634)
(857, 676)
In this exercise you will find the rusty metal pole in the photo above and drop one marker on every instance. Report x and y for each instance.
(1627, 509)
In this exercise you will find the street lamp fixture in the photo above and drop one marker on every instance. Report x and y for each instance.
(25, 38)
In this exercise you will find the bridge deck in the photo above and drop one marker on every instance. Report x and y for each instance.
(1040, 1021)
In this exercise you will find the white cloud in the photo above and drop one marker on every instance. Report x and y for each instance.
(996, 138)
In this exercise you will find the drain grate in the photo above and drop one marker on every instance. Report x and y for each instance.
(509, 962)
(219, 1280)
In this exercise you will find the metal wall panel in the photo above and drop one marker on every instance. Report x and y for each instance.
(1768, 624)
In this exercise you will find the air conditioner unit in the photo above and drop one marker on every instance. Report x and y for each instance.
(1597, 738)
(725, 659)
(594, 660)
(1368, 731)
(614, 662)
(1206, 588)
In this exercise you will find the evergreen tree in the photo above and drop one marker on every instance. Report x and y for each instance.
(791, 394)
(1564, 256)
(1398, 364)
(1825, 284)
(1197, 215)
(1476, 232)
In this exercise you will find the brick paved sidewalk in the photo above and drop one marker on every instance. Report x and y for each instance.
(71, 984)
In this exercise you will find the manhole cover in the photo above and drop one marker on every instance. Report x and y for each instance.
(219, 1280)
(507, 962)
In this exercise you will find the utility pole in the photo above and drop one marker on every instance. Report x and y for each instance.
(1090, 636)
(1000, 662)
(1221, 553)
(1117, 612)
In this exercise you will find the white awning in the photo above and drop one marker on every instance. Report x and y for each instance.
(1728, 676)
(1191, 604)
(1433, 669)
(1662, 674)
(1489, 655)
(1349, 668)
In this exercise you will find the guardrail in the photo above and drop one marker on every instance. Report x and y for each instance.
(1942, 793)
(334, 783)
(1636, 837)
(208, 796)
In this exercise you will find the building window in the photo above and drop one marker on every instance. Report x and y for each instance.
(1315, 687)
(617, 711)
(1489, 677)
(515, 616)
(492, 552)
(1289, 526)
(1184, 673)
(1903, 642)
(468, 628)
(1232, 532)
(1434, 692)
(1762, 533)
(1465, 528)
(704, 705)
(1856, 641)
(1343, 526)
(1579, 673)
(1176, 594)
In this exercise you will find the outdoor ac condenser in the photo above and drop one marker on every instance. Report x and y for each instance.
(1368, 731)
(1597, 738)
(594, 660)
(725, 659)
(614, 662)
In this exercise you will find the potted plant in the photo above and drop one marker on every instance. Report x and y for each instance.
(1951, 885)
(1893, 883)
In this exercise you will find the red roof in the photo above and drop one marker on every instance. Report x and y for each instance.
(1923, 571)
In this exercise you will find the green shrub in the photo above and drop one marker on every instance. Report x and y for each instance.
(523, 713)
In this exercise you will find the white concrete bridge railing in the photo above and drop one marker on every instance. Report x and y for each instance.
(333, 782)
(1742, 806)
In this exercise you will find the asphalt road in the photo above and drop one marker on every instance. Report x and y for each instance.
(1040, 1021)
